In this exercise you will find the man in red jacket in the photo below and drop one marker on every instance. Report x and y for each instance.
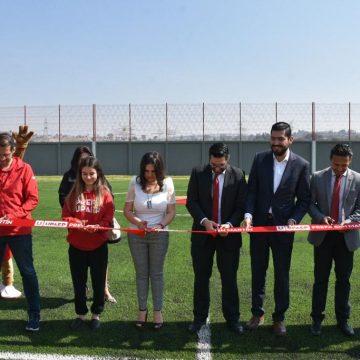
(7, 289)
(19, 196)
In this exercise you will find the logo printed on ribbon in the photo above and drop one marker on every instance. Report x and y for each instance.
(74, 225)
(50, 223)
(292, 228)
(5, 222)
(255, 229)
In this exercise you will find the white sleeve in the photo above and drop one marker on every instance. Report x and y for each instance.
(170, 191)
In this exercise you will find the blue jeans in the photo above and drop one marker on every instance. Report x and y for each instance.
(21, 247)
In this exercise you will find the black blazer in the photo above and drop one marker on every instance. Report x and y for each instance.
(199, 201)
(291, 199)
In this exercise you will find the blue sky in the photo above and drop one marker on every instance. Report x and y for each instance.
(75, 52)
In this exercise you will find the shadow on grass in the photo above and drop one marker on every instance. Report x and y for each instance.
(20, 303)
(299, 341)
(121, 337)
(112, 335)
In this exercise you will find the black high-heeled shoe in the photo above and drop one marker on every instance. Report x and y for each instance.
(139, 323)
(158, 325)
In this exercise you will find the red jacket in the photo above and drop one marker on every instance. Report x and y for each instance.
(18, 195)
(85, 210)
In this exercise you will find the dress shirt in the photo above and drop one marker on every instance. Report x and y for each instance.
(221, 178)
(342, 190)
(279, 168)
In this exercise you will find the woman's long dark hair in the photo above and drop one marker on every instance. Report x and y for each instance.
(153, 158)
(77, 154)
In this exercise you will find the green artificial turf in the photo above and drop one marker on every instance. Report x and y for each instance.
(118, 336)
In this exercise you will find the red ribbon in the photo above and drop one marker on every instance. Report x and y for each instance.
(58, 224)
(285, 228)
(255, 229)
(181, 201)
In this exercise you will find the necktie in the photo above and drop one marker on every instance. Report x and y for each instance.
(335, 201)
(215, 209)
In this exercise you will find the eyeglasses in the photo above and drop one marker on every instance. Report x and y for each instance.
(6, 156)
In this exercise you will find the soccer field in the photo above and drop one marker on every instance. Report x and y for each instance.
(118, 336)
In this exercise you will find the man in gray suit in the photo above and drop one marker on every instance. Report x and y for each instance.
(335, 198)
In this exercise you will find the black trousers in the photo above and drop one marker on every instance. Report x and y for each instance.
(332, 248)
(228, 263)
(80, 261)
(281, 245)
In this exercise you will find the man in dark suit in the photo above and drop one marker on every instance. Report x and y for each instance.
(215, 199)
(278, 194)
(335, 198)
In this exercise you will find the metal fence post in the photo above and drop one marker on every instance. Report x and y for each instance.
(129, 144)
(349, 122)
(24, 114)
(93, 143)
(240, 148)
(166, 134)
(203, 135)
(59, 161)
(313, 139)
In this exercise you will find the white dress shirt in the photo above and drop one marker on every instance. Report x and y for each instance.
(279, 168)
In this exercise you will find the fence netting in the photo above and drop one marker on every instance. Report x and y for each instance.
(183, 122)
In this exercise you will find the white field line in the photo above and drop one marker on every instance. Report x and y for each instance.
(125, 192)
(204, 342)
(183, 214)
(29, 356)
(121, 211)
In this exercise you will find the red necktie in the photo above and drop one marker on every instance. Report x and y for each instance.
(335, 201)
(215, 209)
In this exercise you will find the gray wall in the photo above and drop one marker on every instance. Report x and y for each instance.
(119, 158)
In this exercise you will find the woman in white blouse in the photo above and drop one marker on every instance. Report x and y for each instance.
(150, 204)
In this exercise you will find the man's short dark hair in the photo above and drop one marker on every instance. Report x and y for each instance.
(6, 140)
(341, 150)
(280, 126)
(219, 150)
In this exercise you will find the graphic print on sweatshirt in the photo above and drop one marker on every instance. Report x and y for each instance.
(87, 206)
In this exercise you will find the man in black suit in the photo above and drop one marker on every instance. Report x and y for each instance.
(215, 199)
(278, 194)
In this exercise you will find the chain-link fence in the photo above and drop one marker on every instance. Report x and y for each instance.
(183, 122)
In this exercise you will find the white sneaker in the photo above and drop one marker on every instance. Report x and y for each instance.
(2, 287)
(9, 292)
